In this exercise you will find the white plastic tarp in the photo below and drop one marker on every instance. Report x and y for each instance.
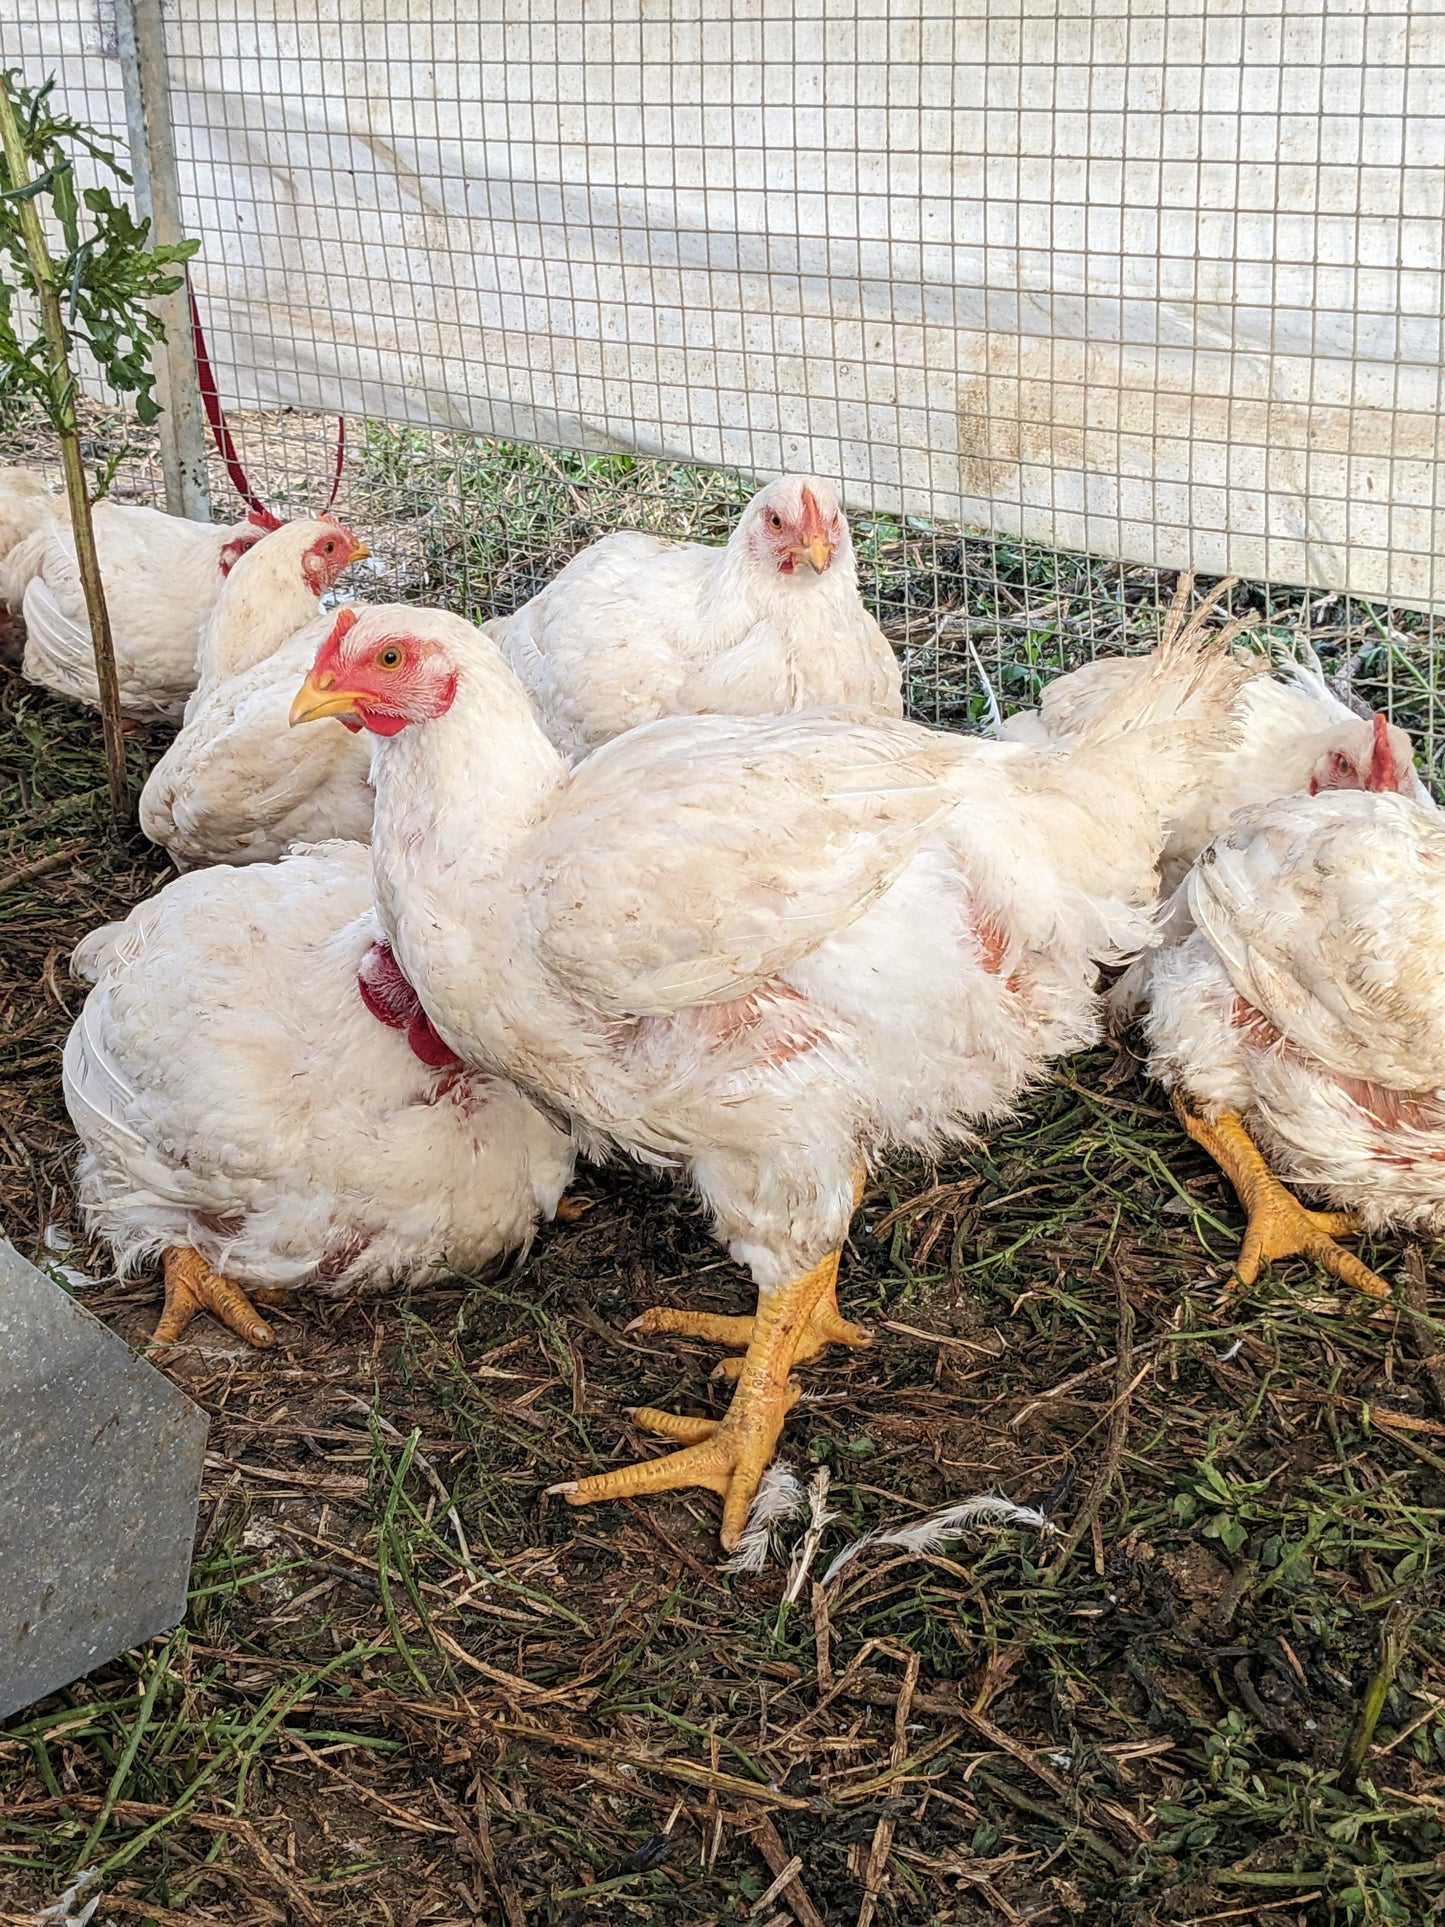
(1150, 279)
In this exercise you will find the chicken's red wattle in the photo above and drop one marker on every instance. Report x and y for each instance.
(392, 1001)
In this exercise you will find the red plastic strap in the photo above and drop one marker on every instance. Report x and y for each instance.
(340, 461)
(215, 415)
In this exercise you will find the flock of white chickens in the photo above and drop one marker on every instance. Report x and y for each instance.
(656, 866)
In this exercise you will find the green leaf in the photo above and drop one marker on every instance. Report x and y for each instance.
(37, 186)
(81, 260)
(108, 273)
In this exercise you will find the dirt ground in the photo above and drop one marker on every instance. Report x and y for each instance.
(412, 1689)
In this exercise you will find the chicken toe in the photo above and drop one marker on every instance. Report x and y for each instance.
(826, 1326)
(674, 1425)
(728, 1458)
(192, 1286)
(1279, 1225)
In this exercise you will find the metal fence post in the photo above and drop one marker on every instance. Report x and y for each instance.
(140, 35)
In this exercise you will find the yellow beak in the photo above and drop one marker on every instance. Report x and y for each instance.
(818, 553)
(359, 554)
(315, 699)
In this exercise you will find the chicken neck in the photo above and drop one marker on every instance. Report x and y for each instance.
(454, 804)
(738, 598)
(260, 607)
(1279, 1225)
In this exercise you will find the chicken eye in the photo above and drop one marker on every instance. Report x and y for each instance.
(1341, 764)
(775, 521)
(389, 658)
(329, 547)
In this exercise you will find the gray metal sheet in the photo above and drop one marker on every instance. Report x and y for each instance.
(100, 1476)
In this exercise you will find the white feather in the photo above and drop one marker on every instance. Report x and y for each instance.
(779, 1499)
(97, 1091)
(67, 1911)
(1300, 667)
(990, 699)
(927, 1535)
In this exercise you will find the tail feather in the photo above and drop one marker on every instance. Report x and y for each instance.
(1191, 678)
(94, 951)
(59, 653)
(1302, 669)
(1170, 722)
(1107, 793)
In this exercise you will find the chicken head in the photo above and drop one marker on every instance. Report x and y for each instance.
(246, 535)
(379, 682)
(1372, 755)
(797, 519)
(328, 553)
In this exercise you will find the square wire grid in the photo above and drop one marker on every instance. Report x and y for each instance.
(1066, 295)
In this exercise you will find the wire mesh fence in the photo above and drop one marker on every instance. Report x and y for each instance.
(1066, 296)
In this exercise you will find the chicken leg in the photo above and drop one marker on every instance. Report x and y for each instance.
(826, 1324)
(1279, 1225)
(192, 1286)
(728, 1457)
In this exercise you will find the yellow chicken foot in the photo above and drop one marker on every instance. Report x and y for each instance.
(729, 1457)
(1279, 1225)
(827, 1326)
(192, 1286)
(282, 1296)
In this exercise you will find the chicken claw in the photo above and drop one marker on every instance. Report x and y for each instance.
(728, 1457)
(1279, 1225)
(192, 1286)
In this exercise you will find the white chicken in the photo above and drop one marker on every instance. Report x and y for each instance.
(1297, 736)
(235, 786)
(635, 627)
(1295, 1010)
(259, 1098)
(162, 575)
(756, 948)
(26, 505)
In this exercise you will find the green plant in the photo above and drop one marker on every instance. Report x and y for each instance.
(96, 293)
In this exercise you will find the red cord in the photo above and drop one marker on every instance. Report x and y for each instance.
(215, 415)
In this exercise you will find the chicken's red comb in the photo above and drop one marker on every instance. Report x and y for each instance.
(340, 629)
(1383, 775)
(264, 519)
